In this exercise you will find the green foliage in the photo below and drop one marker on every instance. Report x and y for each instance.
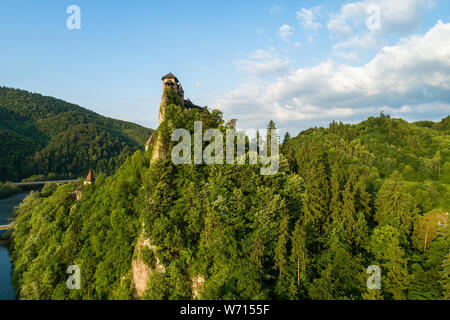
(7, 189)
(338, 205)
(50, 137)
(149, 258)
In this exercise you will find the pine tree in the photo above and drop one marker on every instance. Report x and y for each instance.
(257, 253)
(397, 277)
(348, 212)
(335, 201)
(315, 197)
(372, 294)
(287, 137)
(363, 203)
(258, 141)
(393, 204)
(299, 254)
(360, 230)
(281, 249)
(271, 133)
(445, 277)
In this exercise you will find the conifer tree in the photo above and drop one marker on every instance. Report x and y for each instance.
(271, 133)
(281, 249)
(445, 277)
(348, 212)
(335, 201)
(315, 197)
(372, 294)
(397, 277)
(299, 254)
(360, 230)
(287, 137)
(363, 203)
(393, 204)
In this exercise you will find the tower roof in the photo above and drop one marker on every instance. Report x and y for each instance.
(169, 76)
(90, 177)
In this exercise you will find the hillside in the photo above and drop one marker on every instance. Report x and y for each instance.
(419, 151)
(46, 136)
(338, 204)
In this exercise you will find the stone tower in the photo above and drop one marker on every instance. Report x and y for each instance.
(169, 81)
(90, 178)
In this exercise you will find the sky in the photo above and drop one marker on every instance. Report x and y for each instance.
(299, 63)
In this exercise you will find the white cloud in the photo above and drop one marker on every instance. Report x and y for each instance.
(263, 63)
(307, 18)
(397, 16)
(286, 31)
(410, 79)
(353, 24)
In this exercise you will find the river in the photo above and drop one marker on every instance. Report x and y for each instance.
(6, 211)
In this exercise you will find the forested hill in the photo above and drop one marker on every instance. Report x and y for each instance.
(419, 151)
(42, 135)
(344, 199)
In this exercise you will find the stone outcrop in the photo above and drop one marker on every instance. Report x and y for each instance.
(140, 271)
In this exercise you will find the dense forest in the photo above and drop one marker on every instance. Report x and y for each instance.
(47, 137)
(346, 197)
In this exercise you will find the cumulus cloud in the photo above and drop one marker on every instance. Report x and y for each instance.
(363, 24)
(286, 31)
(397, 16)
(410, 79)
(307, 18)
(263, 63)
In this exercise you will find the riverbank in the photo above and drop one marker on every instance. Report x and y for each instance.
(7, 206)
(7, 189)
(5, 236)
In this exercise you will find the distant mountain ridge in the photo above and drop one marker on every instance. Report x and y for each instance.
(42, 135)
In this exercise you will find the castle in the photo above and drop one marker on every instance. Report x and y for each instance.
(170, 81)
(90, 179)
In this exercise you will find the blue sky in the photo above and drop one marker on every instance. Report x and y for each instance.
(300, 63)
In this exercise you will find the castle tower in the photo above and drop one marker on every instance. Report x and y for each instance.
(169, 81)
(90, 178)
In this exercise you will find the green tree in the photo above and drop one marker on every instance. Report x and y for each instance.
(281, 249)
(445, 277)
(299, 254)
(397, 277)
(393, 204)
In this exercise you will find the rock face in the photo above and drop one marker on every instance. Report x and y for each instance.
(150, 142)
(139, 269)
(140, 276)
(197, 286)
(158, 151)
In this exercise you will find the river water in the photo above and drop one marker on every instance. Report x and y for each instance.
(6, 211)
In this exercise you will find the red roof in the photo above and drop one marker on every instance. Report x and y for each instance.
(90, 177)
